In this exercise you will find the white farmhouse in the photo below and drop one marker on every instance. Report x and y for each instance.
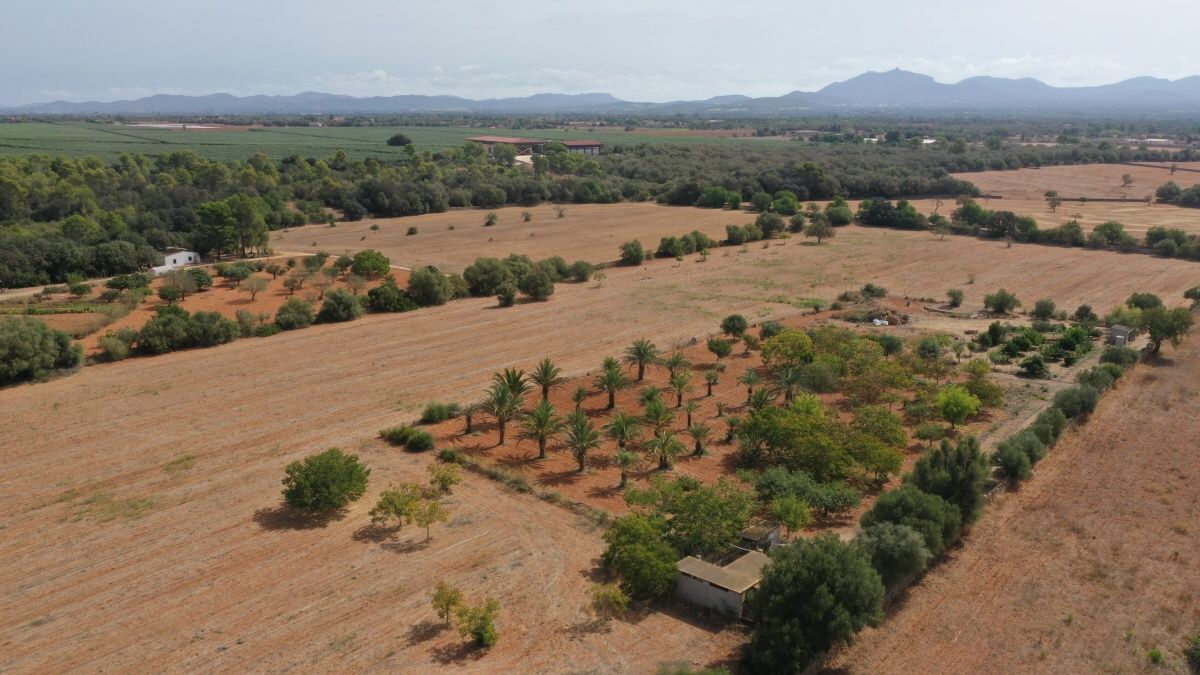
(174, 258)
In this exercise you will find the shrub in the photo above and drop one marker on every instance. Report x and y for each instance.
(1027, 442)
(873, 292)
(486, 276)
(507, 295)
(1098, 378)
(325, 482)
(1014, 464)
(581, 271)
(1001, 302)
(632, 253)
(388, 297)
(769, 329)
(428, 287)
(167, 331)
(898, 552)
(267, 330)
(440, 412)
(770, 224)
(209, 329)
(608, 600)
(536, 285)
(397, 435)
(31, 350)
(1121, 356)
(791, 627)
(1076, 401)
(1034, 366)
(295, 313)
(420, 441)
(954, 297)
(956, 404)
(479, 622)
(339, 305)
(734, 324)
(1192, 653)
(641, 559)
(1043, 309)
(117, 345)
(370, 263)
(1049, 425)
(937, 520)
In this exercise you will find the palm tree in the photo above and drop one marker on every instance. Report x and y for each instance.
(642, 352)
(676, 362)
(733, 423)
(610, 363)
(750, 378)
(469, 412)
(649, 393)
(502, 404)
(579, 396)
(514, 380)
(760, 398)
(581, 436)
(541, 424)
(789, 377)
(547, 376)
(627, 460)
(699, 434)
(681, 382)
(711, 376)
(623, 428)
(666, 447)
(690, 407)
(612, 380)
(658, 416)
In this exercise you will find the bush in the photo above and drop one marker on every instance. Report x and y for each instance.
(486, 276)
(1014, 464)
(898, 552)
(507, 295)
(1192, 653)
(1026, 442)
(117, 345)
(955, 473)
(1121, 356)
(267, 330)
(791, 625)
(1098, 378)
(479, 622)
(937, 520)
(954, 297)
(1001, 302)
(632, 253)
(1034, 366)
(873, 292)
(638, 555)
(440, 412)
(31, 350)
(734, 324)
(428, 287)
(769, 224)
(370, 263)
(339, 306)
(1043, 309)
(581, 271)
(295, 313)
(325, 482)
(412, 438)
(1049, 426)
(769, 329)
(209, 329)
(388, 297)
(397, 435)
(1076, 401)
(167, 331)
(537, 285)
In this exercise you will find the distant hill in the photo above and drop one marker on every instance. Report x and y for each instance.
(891, 90)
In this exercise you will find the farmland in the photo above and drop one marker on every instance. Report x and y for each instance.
(1088, 568)
(154, 481)
(107, 141)
(1097, 181)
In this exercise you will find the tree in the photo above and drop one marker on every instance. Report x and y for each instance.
(632, 253)
(666, 447)
(1053, 200)
(789, 348)
(641, 559)
(735, 325)
(399, 140)
(170, 294)
(503, 405)
(815, 594)
(612, 380)
(370, 263)
(955, 473)
(791, 511)
(490, 219)
(580, 437)
(643, 353)
(937, 520)
(249, 228)
(486, 276)
(30, 350)
(429, 287)
(1001, 302)
(254, 285)
(770, 224)
(720, 348)
(446, 601)
(956, 405)
(699, 433)
(426, 512)
(479, 622)
(547, 376)
(1043, 309)
(711, 377)
(201, 278)
(898, 552)
(396, 506)
(1126, 180)
(295, 313)
(680, 383)
(541, 424)
(443, 477)
(1165, 325)
(339, 306)
(536, 284)
(325, 482)
(819, 228)
(626, 460)
(750, 378)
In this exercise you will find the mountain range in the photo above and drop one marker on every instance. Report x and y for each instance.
(893, 90)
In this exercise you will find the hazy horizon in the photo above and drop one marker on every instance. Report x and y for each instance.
(656, 51)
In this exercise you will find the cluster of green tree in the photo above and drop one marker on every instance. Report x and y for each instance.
(474, 622)
(693, 242)
(1171, 192)
(31, 351)
(1145, 312)
(504, 278)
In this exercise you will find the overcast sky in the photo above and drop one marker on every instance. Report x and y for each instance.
(650, 50)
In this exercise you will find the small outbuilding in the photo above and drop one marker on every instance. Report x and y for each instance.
(1119, 335)
(761, 537)
(174, 258)
(723, 589)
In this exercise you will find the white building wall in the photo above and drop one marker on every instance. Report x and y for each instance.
(705, 594)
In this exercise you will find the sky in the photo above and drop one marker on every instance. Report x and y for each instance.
(650, 50)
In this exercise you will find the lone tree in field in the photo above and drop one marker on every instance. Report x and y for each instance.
(612, 380)
(1001, 302)
(547, 376)
(325, 482)
(643, 353)
(541, 424)
(581, 437)
(819, 228)
(254, 285)
(735, 325)
(1053, 200)
(1126, 180)
(446, 601)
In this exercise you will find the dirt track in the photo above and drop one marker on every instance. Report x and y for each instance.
(115, 561)
(1085, 569)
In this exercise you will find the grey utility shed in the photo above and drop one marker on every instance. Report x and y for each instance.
(721, 588)
(1119, 335)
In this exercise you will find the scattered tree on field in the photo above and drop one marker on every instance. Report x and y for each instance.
(325, 482)
(254, 285)
(541, 424)
(446, 601)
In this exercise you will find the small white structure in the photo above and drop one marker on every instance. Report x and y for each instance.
(721, 588)
(174, 258)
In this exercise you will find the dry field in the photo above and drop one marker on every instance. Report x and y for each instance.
(140, 499)
(1085, 569)
(591, 232)
(1137, 217)
(1088, 180)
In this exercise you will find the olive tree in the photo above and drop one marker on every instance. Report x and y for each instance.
(325, 482)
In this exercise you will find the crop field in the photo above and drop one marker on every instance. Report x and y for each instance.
(107, 141)
(1137, 217)
(142, 497)
(1097, 181)
(1087, 568)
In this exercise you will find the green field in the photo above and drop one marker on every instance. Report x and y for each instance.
(107, 141)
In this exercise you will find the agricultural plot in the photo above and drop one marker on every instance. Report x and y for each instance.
(1137, 217)
(1088, 568)
(1103, 181)
(144, 517)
